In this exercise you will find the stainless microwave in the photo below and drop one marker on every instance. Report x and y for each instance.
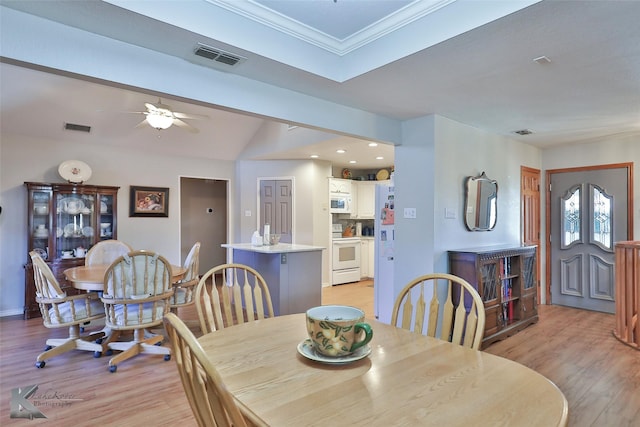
(340, 203)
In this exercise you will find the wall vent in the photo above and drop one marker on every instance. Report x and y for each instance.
(79, 128)
(218, 55)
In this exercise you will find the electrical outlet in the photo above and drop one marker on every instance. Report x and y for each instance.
(409, 212)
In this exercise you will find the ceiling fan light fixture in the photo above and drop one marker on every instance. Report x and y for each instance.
(159, 121)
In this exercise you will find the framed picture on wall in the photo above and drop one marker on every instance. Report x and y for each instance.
(148, 201)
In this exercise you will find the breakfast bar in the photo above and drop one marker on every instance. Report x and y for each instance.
(293, 273)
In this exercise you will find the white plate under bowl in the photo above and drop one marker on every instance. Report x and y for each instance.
(74, 171)
(306, 349)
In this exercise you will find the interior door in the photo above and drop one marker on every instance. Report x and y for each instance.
(588, 214)
(530, 211)
(276, 208)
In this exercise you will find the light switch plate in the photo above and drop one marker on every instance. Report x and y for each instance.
(409, 212)
(450, 213)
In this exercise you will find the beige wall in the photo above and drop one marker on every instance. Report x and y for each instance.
(25, 159)
(311, 218)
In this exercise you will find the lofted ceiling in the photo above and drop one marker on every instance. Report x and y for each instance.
(476, 62)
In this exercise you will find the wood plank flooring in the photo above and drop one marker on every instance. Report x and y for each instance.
(575, 349)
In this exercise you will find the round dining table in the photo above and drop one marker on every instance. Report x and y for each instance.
(401, 379)
(91, 277)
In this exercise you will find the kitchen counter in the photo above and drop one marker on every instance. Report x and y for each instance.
(279, 248)
(293, 273)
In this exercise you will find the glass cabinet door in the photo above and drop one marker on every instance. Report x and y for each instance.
(106, 220)
(75, 222)
(40, 226)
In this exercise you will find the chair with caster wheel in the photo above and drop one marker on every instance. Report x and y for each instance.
(137, 290)
(184, 289)
(106, 251)
(61, 311)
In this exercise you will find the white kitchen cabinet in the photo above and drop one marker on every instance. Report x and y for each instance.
(366, 199)
(367, 259)
(354, 200)
(337, 185)
(364, 259)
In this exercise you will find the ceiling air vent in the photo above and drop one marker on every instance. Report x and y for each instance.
(218, 55)
(523, 132)
(79, 128)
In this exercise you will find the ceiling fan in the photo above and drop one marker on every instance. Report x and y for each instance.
(160, 116)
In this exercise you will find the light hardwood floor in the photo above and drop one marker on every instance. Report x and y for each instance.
(575, 349)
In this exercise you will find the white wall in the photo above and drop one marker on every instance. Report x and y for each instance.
(311, 219)
(464, 151)
(436, 155)
(25, 159)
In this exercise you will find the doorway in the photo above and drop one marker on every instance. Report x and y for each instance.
(588, 210)
(203, 218)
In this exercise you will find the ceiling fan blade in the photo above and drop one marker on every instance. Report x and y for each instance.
(185, 125)
(189, 116)
(142, 124)
(150, 106)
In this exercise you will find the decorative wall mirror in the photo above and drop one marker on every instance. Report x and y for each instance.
(481, 203)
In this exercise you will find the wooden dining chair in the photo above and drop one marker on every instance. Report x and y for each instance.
(210, 401)
(62, 311)
(448, 316)
(184, 288)
(230, 294)
(137, 290)
(106, 251)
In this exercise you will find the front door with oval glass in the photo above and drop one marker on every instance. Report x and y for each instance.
(588, 215)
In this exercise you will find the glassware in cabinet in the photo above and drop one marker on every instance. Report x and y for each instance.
(75, 224)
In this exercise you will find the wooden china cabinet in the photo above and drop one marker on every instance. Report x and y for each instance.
(64, 221)
(505, 278)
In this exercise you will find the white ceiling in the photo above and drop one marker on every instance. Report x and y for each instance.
(470, 61)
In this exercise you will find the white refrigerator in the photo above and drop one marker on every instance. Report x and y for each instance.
(384, 238)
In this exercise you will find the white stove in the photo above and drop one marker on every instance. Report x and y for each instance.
(345, 259)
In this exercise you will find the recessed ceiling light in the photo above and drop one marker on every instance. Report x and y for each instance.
(379, 158)
(373, 144)
(352, 161)
(341, 151)
(314, 156)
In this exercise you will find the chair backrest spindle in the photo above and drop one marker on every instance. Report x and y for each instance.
(229, 294)
(449, 317)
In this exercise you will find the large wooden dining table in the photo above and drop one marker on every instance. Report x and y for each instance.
(407, 380)
(91, 277)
